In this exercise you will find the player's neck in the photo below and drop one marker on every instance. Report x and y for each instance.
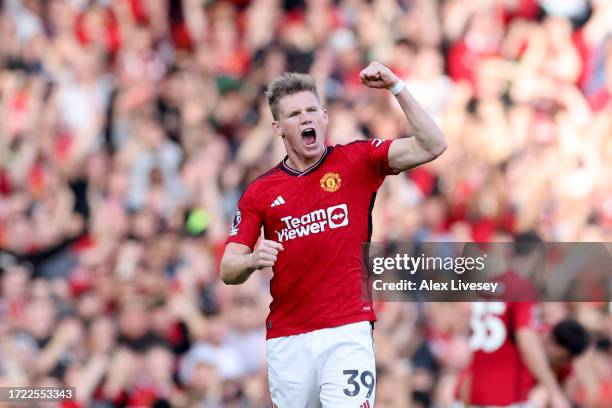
(300, 164)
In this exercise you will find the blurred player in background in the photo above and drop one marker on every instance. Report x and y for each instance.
(315, 207)
(567, 340)
(507, 356)
(510, 358)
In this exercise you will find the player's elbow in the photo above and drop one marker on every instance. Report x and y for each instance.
(226, 278)
(227, 274)
(232, 274)
(231, 279)
(235, 264)
(437, 149)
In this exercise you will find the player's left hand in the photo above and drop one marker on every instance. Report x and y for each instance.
(376, 75)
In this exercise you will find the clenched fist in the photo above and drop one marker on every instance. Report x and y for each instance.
(265, 253)
(376, 75)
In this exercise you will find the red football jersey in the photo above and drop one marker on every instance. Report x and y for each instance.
(499, 376)
(322, 216)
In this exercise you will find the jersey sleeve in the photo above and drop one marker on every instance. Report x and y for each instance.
(246, 225)
(524, 315)
(377, 155)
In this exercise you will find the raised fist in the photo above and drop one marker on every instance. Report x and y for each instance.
(376, 75)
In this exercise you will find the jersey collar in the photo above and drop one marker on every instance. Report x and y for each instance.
(293, 172)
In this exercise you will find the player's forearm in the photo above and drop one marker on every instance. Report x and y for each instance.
(534, 357)
(239, 263)
(236, 268)
(425, 131)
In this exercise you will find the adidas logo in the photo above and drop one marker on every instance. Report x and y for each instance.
(366, 404)
(279, 201)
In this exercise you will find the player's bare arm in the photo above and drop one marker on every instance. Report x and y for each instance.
(534, 357)
(428, 141)
(238, 262)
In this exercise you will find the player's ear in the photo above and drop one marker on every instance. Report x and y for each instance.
(277, 129)
(325, 116)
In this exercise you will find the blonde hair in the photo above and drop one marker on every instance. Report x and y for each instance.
(287, 84)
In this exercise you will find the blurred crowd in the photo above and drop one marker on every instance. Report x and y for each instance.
(131, 127)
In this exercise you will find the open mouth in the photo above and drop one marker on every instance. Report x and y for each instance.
(309, 136)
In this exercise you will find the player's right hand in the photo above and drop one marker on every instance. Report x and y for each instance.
(265, 253)
(558, 400)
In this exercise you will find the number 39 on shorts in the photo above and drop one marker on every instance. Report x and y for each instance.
(356, 380)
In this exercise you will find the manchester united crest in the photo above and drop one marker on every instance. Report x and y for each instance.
(331, 182)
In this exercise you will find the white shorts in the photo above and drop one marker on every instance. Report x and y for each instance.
(330, 368)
